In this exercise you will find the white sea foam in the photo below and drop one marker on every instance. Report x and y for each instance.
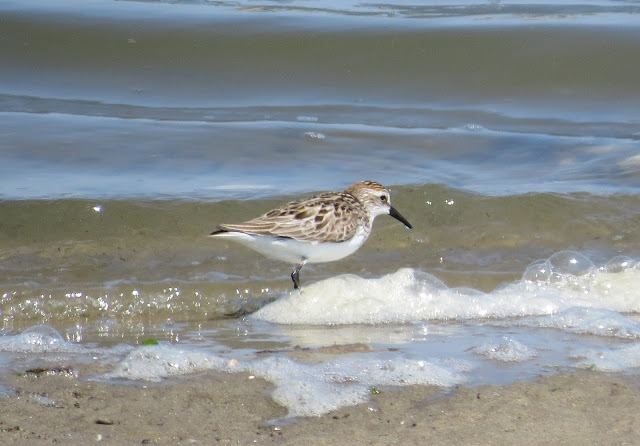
(37, 339)
(610, 359)
(548, 287)
(506, 349)
(585, 320)
(305, 389)
(313, 390)
(155, 362)
(545, 314)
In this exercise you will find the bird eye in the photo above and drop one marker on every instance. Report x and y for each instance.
(383, 197)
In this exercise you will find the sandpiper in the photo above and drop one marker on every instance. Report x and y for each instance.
(322, 228)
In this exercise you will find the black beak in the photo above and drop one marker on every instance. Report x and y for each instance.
(395, 214)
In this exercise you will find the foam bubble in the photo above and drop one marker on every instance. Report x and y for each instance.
(36, 339)
(538, 271)
(155, 362)
(571, 262)
(506, 349)
(563, 266)
(619, 264)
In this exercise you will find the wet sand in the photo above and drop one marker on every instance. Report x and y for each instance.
(220, 408)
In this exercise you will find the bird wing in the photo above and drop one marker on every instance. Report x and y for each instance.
(328, 217)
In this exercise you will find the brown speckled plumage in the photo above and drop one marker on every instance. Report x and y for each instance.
(331, 217)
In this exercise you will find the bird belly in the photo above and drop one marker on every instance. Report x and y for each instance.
(295, 251)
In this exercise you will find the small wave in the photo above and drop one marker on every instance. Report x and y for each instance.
(548, 287)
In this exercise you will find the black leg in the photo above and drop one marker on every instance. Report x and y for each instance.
(295, 275)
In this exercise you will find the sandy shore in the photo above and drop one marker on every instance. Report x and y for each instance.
(221, 408)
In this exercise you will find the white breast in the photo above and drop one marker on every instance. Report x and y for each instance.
(294, 251)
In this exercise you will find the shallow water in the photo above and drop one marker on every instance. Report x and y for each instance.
(508, 133)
